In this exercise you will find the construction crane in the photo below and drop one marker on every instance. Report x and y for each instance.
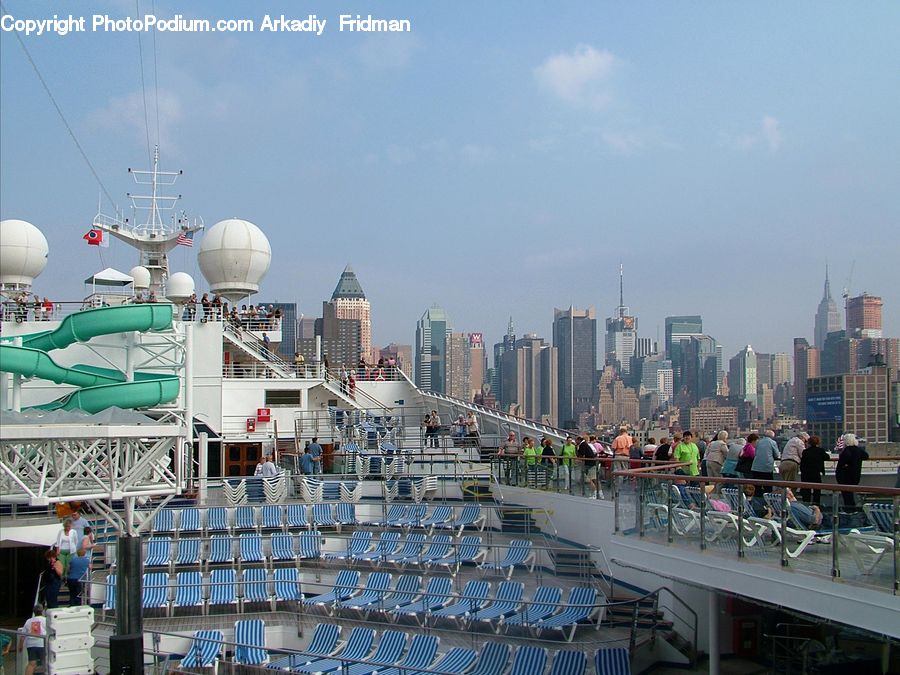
(846, 292)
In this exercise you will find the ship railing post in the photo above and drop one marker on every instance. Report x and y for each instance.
(641, 492)
(669, 516)
(740, 521)
(783, 525)
(895, 521)
(702, 516)
(835, 528)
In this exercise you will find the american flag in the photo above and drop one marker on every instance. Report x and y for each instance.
(185, 239)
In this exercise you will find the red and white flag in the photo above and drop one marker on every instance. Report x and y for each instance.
(95, 238)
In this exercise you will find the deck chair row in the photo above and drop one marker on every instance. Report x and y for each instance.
(221, 587)
(505, 610)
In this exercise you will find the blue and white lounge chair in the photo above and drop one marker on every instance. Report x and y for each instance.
(377, 586)
(422, 651)
(569, 662)
(296, 516)
(529, 660)
(345, 513)
(471, 516)
(468, 550)
(506, 602)
(222, 588)
(283, 547)
(389, 650)
(518, 553)
(455, 662)
(436, 595)
(190, 521)
(287, 585)
(159, 552)
(345, 586)
(245, 518)
(164, 520)
(387, 545)
(407, 588)
(255, 583)
(155, 593)
(324, 643)
(310, 545)
(250, 636)
(272, 517)
(412, 550)
(880, 516)
(543, 606)
(474, 597)
(439, 548)
(414, 515)
(205, 649)
(440, 516)
(220, 549)
(188, 552)
(217, 519)
(188, 590)
(322, 516)
(250, 547)
(357, 648)
(581, 606)
(492, 659)
(612, 661)
(358, 544)
(394, 515)
(110, 602)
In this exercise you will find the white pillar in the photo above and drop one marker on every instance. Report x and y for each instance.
(713, 632)
(4, 390)
(204, 465)
(130, 345)
(17, 383)
(189, 396)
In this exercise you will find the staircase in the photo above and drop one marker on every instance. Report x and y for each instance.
(477, 490)
(573, 562)
(518, 521)
(254, 347)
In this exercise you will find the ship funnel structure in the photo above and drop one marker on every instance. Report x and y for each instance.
(234, 257)
(23, 255)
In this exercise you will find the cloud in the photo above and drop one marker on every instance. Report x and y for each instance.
(385, 52)
(768, 134)
(623, 143)
(579, 77)
(398, 154)
(126, 114)
(478, 153)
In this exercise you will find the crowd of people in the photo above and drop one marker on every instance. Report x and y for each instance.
(22, 306)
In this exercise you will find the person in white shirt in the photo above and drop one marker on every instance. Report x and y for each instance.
(35, 626)
(268, 468)
(67, 543)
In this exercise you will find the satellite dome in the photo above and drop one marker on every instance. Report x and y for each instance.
(179, 287)
(141, 276)
(234, 257)
(23, 254)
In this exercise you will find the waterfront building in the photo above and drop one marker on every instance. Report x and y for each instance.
(575, 338)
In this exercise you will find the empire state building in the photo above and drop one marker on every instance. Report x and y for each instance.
(828, 318)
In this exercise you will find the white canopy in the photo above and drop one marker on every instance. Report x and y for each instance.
(109, 277)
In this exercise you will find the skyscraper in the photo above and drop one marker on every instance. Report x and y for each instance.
(507, 343)
(431, 357)
(806, 365)
(864, 316)
(700, 367)
(678, 329)
(530, 380)
(621, 334)
(828, 318)
(742, 375)
(575, 338)
(477, 364)
(289, 326)
(458, 366)
(339, 338)
(350, 303)
(781, 369)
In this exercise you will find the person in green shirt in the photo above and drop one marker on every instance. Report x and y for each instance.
(687, 451)
(529, 455)
(567, 453)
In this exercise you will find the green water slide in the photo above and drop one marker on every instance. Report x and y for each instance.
(100, 388)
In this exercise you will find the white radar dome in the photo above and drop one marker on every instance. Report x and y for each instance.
(141, 276)
(179, 287)
(23, 254)
(234, 257)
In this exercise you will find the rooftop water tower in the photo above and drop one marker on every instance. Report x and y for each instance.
(23, 255)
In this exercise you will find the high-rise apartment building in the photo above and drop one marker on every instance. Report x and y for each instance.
(530, 380)
(350, 302)
(806, 365)
(828, 318)
(742, 375)
(864, 316)
(575, 339)
(431, 357)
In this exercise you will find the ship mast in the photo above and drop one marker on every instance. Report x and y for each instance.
(149, 232)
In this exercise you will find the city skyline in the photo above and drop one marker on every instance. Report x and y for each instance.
(723, 153)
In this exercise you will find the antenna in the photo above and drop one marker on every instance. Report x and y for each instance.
(846, 292)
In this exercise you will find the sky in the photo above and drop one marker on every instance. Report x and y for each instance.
(501, 159)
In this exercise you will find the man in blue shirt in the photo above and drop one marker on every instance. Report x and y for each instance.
(307, 465)
(766, 453)
(316, 451)
(79, 522)
(78, 567)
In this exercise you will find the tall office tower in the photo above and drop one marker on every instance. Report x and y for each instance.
(864, 316)
(621, 334)
(530, 380)
(873, 351)
(575, 339)
(806, 365)
(656, 377)
(764, 369)
(458, 366)
(781, 368)
(306, 328)
(402, 355)
(508, 342)
(477, 365)
(350, 303)
(828, 318)
(289, 328)
(679, 328)
(431, 357)
(742, 375)
(340, 339)
(644, 347)
(839, 355)
(700, 367)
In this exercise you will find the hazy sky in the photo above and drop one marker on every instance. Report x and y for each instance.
(502, 158)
